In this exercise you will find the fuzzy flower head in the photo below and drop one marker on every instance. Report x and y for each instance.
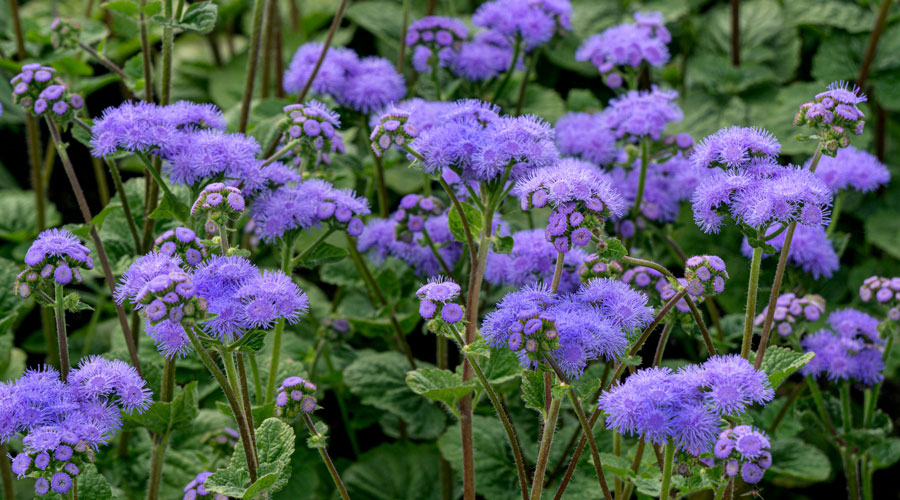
(393, 128)
(791, 312)
(306, 206)
(486, 56)
(170, 296)
(436, 302)
(55, 257)
(435, 40)
(316, 131)
(666, 185)
(219, 202)
(182, 242)
(747, 447)
(705, 275)
(530, 22)
(295, 396)
(885, 291)
(597, 267)
(64, 33)
(413, 212)
(734, 147)
(852, 168)
(729, 384)
(533, 259)
(627, 46)
(379, 239)
(37, 89)
(843, 357)
(522, 323)
(832, 114)
(332, 75)
(640, 113)
(619, 303)
(580, 195)
(586, 136)
(371, 85)
(811, 250)
(195, 156)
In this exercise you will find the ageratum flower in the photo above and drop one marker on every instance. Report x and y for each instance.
(379, 240)
(643, 113)
(580, 196)
(436, 300)
(531, 22)
(832, 114)
(219, 202)
(332, 75)
(595, 267)
(317, 129)
(486, 56)
(626, 308)
(199, 155)
(735, 147)
(586, 136)
(295, 396)
(792, 311)
(307, 205)
(533, 259)
(885, 291)
(371, 85)
(413, 212)
(666, 185)
(56, 257)
(852, 168)
(37, 90)
(435, 36)
(748, 446)
(627, 45)
(852, 350)
(393, 128)
(810, 250)
(182, 242)
(197, 489)
(705, 275)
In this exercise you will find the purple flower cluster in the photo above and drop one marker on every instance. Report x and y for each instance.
(810, 250)
(832, 113)
(666, 185)
(580, 196)
(478, 144)
(65, 422)
(436, 300)
(196, 489)
(852, 168)
(627, 45)
(595, 267)
(705, 275)
(211, 199)
(851, 350)
(183, 243)
(435, 37)
(744, 448)
(595, 322)
(530, 22)
(734, 147)
(791, 310)
(307, 205)
(393, 128)
(295, 395)
(36, 89)
(379, 239)
(885, 291)
(586, 136)
(317, 129)
(55, 257)
(533, 259)
(640, 113)
(364, 85)
(414, 210)
(486, 56)
(685, 407)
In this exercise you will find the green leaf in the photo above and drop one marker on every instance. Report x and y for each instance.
(473, 216)
(324, 253)
(275, 445)
(503, 244)
(396, 471)
(126, 7)
(582, 100)
(883, 230)
(495, 470)
(795, 462)
(19, 221)
(439, 384)
(91, 484)
(611, 248)
(781, 362)
(379, 379)
(533, 390)
(171, 207)
(199, 17)
(162, 417)
(886, 453)
(260, 412)
(848, 16)
(478, 348)
(542, 102)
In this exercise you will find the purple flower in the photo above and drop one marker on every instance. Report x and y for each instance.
(295, 395)
(331, 77)
(532, 22)
(666, 185)
(486, 56)
(379, 239)
(642, 113)
(196, 155)
(852, 168)
(705, 275)
(393, 128)
(791, 311)
(61, 482)
(627, 45)
(852, 352)
(587, 136)
(735, 147)
(811, 250)
(371, 85)
(730, 384)
(20, 465)
(533, 259)
(832, 114)
(623, 306)
(305, 206)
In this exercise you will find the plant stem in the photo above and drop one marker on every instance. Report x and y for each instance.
(438, 256)
(167, 51)
(104, 61)
(635, 464)
(145, 54)
(306, 251)
(379, 173)
(850, 461)
(101, 251)
(557, 271)
(245, 395)
(532, 63)
(720, 491)
(873, 42)
(550, 419)
(161, 441)
(667, 470)
(230, 370)
(502, 413)
(750, 314)
(126, 206)
(287, 252)
(62, 342)
(17, 27)
(735, 33)
(820, 404)
(259, 9)
(327, 459)
(786, 407)
(642, 180)
(6, 473)
(405, 23)
(779, 275)
(698, 319)
(836, 212)
(335, 22)
(517, 49)
(249, 454)
(661, 346)
(268, 33)
(281, 152)
(869, 409)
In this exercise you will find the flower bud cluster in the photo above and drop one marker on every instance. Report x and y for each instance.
(170, 296)
(832, 114)
(317, 127)
(436, 302)
(219, 201)
(886, 291)
(54, 462)
(744, 449)
(64, 33)
(182, 242)
(295, 395)
(56, 257)
(37, 91)
(595, 267)
(791, 310)
(413, 212)
(393, 129)
(705, 275)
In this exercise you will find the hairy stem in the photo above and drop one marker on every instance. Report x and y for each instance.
(126, 206)
(327, 459)
(161, 441)
(661, 346)
(517, 49)
(379, 173)
(667, 470)
(642, 180)
(557, 271)
(820, 404)
(877, 30)
(750, 314)
(287, 252)
(849, 457)
(62, 342)
(145, 54)
(259, 10)
(537, 485)
(245, 396)
(635, 464)
(836, 212)
(532, 62)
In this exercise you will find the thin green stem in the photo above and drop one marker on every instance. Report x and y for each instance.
(786, 407)
(667, 470)
(381, 188)
(502, 413)
(532, 62)
(642, 180)
(287, 251)
(281, 152)
(405, 24)
(259, 10)
(720, 491)
(223, 239)
(257, 382)
(327, 459)
(557, 271)
(230, 370)
(434, 76)
(161, 441)
(342, 406)
(872, 402)
(779, 276)
(537, 485)
(437, 255)
(867, 472)
(62, 342)
(126, 206)
(617, 451)
(168, 47)
(306, 251)
(820, 404)
(698, 319)
(245, 396)
(661, 346)
(151, 169)
(145, 54)
(750, 314)
(836, 212)
(849, 457)
(635, 464)
(517, 49)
